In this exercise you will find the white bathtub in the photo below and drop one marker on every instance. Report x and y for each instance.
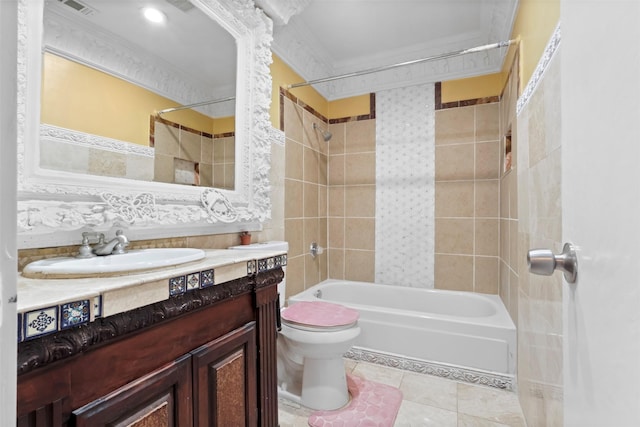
(445, 329)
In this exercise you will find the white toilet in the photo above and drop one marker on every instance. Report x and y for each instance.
(314, 337)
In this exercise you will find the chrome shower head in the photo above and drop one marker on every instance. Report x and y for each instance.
(326, 135)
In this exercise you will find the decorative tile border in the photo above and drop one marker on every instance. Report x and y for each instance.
(70, 136)
(463, 103)
(44, 321)
(370, 116)
(177, 285)
(97, 307)
(286, 94)
(206, 278)
(203, 279)
(193, 281)
(19, 327)
(543, 64)
(152, 129)
(74, 313)
(456, 373)
(36, 353)
(270, 263)
(281, 260)
(40, 322)
(251, 267)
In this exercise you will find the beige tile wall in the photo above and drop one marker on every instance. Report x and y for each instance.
(352, 196)
(214, 155)
(329, 197)
(467, 229)
(94, 161)
(509, 251)
(540, 313)
(305, 200)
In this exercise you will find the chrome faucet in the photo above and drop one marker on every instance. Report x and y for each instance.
(115, 246)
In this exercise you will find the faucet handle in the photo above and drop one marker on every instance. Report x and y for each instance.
(85, 250)
(86, 235)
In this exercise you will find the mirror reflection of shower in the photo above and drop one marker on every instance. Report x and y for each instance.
(326, 135)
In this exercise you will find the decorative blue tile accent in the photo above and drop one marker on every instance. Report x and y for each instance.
(177, 285)
(193, 281)
(19, 327)
(40, 322)
(206, 278)
(251, 267)
(74, 313)
(97, 307)
(271, 263)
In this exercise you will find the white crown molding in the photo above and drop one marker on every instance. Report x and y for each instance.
(280, 11)
(306, 64)
(299, 49)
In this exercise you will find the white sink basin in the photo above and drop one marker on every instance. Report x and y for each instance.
(133, 261)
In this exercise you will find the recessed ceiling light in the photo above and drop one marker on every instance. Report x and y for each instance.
(154, 15)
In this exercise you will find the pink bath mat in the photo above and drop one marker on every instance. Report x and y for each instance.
(372, 405)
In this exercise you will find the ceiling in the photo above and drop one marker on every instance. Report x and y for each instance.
(334, 37)
(322, 38)
(189, 42)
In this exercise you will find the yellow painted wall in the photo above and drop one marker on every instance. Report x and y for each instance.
(472, 88)
(283, 75)
(224, 124)
(534, 24)
(350, 107)
(78, 97)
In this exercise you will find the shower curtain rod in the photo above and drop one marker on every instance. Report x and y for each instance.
(197, 104)
(402, 64)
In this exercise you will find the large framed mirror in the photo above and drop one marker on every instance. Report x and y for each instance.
(106, 139)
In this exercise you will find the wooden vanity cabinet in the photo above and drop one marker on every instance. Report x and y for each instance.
(214, 385)
(224, 380)
(161, 398)
(192, 363)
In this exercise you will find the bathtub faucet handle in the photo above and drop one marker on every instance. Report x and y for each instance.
(315, 249)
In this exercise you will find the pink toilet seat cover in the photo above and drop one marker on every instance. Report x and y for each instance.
(319, 313)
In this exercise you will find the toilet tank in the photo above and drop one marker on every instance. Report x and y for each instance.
(273, 245)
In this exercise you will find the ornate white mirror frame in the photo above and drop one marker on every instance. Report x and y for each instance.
(55, 206)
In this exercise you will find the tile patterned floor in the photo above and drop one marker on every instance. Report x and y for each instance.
(429, 401)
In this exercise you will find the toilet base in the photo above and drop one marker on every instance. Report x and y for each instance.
(324, 384)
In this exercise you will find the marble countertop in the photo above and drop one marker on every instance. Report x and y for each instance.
(105, 296)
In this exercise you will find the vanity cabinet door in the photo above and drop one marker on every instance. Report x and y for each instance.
(161, 398)
(224, 380)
